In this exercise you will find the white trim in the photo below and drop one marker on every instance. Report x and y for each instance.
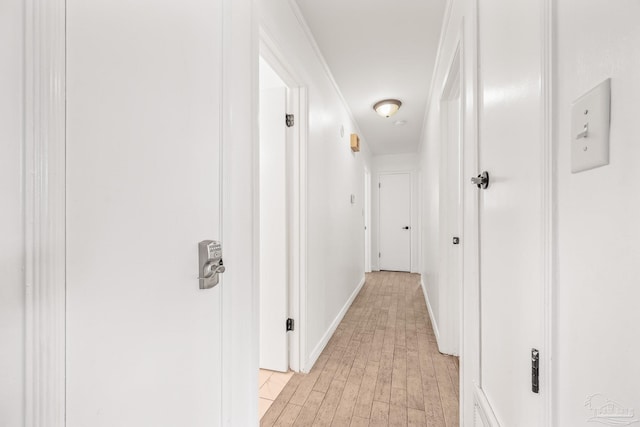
(367, 219)
(548, 216)
(434, 323)
(303, 230)
(484, 408)
(313, 357)
(271, 52)
(470, 346)
(239, 284)
(44, 180)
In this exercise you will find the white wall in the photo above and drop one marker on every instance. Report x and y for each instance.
(597, 289)
(395, 163)
(11, 214)
(433, 237)
(335, 233)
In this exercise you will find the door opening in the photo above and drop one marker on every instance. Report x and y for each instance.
(280, 223)
(273, 222)
(367, 220)
(451, 239)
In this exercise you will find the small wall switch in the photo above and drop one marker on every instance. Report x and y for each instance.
(590, 122)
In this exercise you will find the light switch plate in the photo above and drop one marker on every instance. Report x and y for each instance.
(590, 122)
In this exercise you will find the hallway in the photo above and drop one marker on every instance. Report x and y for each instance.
(381, 367)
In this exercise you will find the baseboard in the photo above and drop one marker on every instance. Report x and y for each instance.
(483, 409)
(317, 351)
(436, 332)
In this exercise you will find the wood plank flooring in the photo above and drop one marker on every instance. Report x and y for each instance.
(381, 367)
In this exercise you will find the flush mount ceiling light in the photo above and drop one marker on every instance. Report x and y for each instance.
(387, 107)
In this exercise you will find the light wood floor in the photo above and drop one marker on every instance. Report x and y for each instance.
(381, 367)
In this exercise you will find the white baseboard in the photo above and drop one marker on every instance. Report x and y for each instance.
(313, 357)
(436, 332)
(483, 408)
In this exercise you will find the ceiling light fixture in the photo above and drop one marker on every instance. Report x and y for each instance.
(387, 107)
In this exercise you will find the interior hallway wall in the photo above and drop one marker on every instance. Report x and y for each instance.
(12, 289)
(430, 160)
(598, 287)
(395, 163)
(335, 226)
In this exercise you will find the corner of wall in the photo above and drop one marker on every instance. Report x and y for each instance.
(434, 323)
(317, 351)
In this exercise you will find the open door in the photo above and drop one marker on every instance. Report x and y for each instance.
(274, 350)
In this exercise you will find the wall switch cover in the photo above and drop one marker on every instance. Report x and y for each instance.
(590, 121)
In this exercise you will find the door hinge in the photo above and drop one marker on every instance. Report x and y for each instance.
(379, 185)
(379, 254)
(535, 370)
(289, 120)
(290, 324)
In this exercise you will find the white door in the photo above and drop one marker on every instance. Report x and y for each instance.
(451, 216)
(395, 222)
(366, 212)
(273, 230)
(511, 217)
(143, 188)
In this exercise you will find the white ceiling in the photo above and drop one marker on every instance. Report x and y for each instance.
(379, 49)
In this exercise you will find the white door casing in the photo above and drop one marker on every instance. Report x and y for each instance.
(395, 221)
(273, 230)
(367, 220)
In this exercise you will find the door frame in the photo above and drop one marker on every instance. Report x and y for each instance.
(296, 197)
(45, 209)
(367, 220)
(412, 230)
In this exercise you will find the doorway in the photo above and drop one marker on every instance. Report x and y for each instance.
(274, 229)
(395, 221)
(280, 223)
(451, 239)
(367, 220)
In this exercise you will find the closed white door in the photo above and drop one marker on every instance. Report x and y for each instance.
(395, 222)
(366, 212)
(273, 231)
(143, 188)
(511, 209)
